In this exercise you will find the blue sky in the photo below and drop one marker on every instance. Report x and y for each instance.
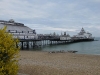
(48, 16)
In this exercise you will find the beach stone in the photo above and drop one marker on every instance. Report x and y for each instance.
(22, 74)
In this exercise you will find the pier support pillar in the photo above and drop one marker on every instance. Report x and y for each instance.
(22, 45)
(27, 44)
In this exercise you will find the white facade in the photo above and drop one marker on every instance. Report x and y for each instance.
(65, 37)
(83, 34)
(18, 30)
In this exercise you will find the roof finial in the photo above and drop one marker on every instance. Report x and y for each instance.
(82, 30)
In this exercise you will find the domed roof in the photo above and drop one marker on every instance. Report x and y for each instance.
(11, 20)
(82, 30)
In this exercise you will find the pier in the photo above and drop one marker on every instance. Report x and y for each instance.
(42, 40)
(33, 40)
(30, 39)
(47, 40)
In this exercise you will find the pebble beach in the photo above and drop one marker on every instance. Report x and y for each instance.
(45, 63)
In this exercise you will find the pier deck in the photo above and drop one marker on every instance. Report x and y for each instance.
(35, 43)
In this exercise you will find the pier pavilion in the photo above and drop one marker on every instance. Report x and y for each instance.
(20, 31)
(83, 34)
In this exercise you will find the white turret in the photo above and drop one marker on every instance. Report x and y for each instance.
(83, 34)
(82, 31)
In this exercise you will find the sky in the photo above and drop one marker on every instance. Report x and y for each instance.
(49, 16)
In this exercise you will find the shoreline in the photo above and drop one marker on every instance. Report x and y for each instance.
(66, 51)
(71, 63)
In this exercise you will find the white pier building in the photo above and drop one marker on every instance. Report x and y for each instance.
(18, 30)
(83, 34)
(65, 36)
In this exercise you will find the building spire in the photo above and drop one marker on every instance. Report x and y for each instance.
(82, 30)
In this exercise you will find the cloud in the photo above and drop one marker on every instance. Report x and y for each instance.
(95, 1)
(37, 26)
(52, 15)
(21, 8)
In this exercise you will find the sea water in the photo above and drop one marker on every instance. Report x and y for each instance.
(90, 47)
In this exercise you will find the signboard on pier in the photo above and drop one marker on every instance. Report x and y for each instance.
(63, 38)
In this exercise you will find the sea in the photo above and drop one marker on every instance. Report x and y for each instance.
(90, 47)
